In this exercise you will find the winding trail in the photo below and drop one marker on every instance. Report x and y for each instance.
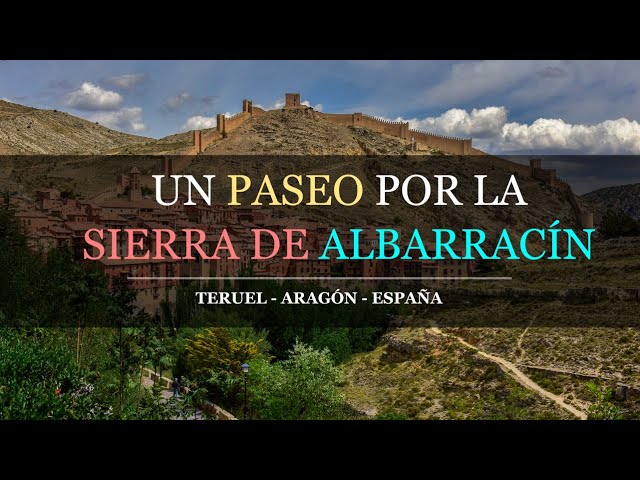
(520, 350)
(515, 373)
(167, 399)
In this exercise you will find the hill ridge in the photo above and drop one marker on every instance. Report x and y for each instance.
(29, 130)
(619, 197)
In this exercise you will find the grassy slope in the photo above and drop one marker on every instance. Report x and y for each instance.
(521, 331)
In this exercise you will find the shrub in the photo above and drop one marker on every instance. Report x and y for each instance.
(40, 380)
(303, 387)
(616, 223)
(602, 408)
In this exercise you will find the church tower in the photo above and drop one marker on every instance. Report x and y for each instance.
(135, 191)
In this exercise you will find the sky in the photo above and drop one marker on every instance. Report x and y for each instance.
(507, 107)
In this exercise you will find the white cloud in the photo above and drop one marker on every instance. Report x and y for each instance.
(279, 104)
(126, 81)
(317, 106)
(483, 122)
(489, 126)
(174, 102)
(92, 97)
(128, 119)
(620, 136)
(198, 122)
(6, 99)
(275, 105)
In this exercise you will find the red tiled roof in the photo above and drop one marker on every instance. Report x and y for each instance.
(76, 226)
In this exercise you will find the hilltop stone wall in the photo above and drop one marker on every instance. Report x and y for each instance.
(457, 146)
(231, 123)
(418, 139)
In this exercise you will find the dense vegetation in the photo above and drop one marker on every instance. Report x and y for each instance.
(72, 348)
(616, 223)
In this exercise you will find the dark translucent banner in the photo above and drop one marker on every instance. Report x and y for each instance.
(297, 242)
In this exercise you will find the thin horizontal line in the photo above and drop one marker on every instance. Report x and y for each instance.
(322, 278)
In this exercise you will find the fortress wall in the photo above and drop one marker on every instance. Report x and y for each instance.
(508, 165)
(457, 146)
(231, 123)
(385, 127)
(584, 219)
(344, 119)
(197, 140)
(202, 140)
(561, 184)
(547, 176)
(224, 125)
(208, 138)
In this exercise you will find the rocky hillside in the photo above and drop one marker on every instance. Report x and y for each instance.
(416, 375)
(303, 132)
(287, 133)
(552, 329)
(26, 130)
(176, 144)
(622, 197)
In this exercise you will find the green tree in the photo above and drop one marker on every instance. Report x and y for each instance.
(616, 223)
(85, 289)
(214, 350)
(251, 335)
(160, 351)
(303, 387)
(213, 358)
(336, 340)
(152, 347)
(123, 349)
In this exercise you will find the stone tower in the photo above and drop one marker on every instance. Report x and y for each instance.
(291, 100)
(135, 190)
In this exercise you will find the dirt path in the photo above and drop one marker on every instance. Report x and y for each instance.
(167, 397)
(516, 373)
(519, 350)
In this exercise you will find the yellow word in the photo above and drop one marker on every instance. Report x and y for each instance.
(316, 188)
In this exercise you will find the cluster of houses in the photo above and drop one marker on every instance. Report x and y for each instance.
(54, 220)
